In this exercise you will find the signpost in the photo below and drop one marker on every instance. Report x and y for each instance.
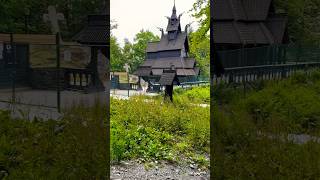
(127, 67)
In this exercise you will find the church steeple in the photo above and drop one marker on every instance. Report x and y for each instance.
(173, 27)
(174, 11)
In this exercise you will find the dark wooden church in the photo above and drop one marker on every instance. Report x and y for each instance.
(167, 61)
(247, 23)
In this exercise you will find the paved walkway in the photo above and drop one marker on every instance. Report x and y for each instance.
(123, 94)
(32, 103)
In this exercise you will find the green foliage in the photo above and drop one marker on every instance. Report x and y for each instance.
(303, 19)
(251, 130)
(132, 53)
(194, 95)
(151, 129)
(139, 47)
(14, 14)
(73, 148)
(117, 60)
(200, 40)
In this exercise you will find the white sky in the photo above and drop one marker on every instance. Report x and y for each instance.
(133, 15)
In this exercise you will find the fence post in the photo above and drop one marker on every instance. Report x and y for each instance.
(299, 53)
(58, 71)
(13, 60)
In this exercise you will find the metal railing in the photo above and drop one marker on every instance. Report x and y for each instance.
(269, 55)
(266, 63)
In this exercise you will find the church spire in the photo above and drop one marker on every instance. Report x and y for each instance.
(173, 27)
(174, 11)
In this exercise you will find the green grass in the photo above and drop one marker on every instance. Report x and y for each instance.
(73, 148)
(157, 130)
(243, 124)
(194, 95)
(150, 129)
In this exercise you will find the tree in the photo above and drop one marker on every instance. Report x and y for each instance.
(13, 15)
(303, 19)
(139, 48)
(116, 57)
(200, 39)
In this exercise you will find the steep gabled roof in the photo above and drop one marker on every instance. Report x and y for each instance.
(177, 62)
(241, 33)
(96, 32)
(240, 10)
(277, 26)
(167, 78)
(165, 44)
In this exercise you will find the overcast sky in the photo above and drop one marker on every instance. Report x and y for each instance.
(134, 15)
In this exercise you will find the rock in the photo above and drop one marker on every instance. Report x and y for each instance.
(192, 166)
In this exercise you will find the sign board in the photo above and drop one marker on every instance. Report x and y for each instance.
(8, 54)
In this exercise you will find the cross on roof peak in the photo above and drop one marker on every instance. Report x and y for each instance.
(53, 17)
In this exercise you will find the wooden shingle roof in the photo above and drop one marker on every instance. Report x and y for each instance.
(96, 32)
(167, 78)
(242, 33)
(247, 22)
(245, 10)
(165, 44)
(277, 26)
(177, 62)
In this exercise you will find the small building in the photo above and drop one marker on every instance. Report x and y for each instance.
(167, 61)
(96, 36)
(16, 57)
(247, 23)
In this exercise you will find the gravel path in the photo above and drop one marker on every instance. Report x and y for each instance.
(132, 170)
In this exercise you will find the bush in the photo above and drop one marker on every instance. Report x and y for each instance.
(251, 131)
(154, 129)
(73, 148)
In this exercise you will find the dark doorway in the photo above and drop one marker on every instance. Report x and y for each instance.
(14, 65)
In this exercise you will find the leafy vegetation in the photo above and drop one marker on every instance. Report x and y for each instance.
(200, 39)
(73, 148)
(155, 130)
(199, 95)
(132, 53)
(303, 20)
(26, 16)
(251, 130)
